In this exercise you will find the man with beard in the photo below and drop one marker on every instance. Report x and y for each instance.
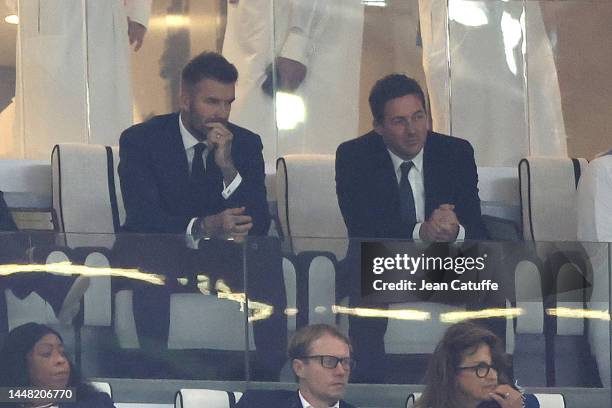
(193, 172)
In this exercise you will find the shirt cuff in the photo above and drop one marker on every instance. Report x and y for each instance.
(138, 11)
(229, 190)
(460, 234)
(297, 47)
(190, 226)
(190, 240)
(416, 232)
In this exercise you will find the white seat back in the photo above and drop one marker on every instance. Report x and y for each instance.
(32, 308)
(86, 193)
(551, 400)
(548, 197)
(103, 387)
(196, 398)
(308, 205)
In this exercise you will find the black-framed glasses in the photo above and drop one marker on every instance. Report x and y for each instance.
(331, 362)
(481, 369)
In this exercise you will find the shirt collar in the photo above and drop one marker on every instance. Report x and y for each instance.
(306, 404)
(417, 161)
(189, 140)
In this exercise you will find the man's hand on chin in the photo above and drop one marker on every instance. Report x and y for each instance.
(442, 226)
(230, 223)
(219, 139)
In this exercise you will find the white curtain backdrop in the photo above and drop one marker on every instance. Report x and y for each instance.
(479, 89)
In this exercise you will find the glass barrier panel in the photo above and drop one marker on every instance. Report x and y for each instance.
(146, 306)
(10, 145)
(546, 304)
(583, 87)
(486, 79)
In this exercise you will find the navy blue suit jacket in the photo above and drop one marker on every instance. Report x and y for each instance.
(154, 176)
(6, 220)
(368, 192)
(274, 399)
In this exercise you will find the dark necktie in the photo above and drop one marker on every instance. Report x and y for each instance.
(408, 210)
(197, 166)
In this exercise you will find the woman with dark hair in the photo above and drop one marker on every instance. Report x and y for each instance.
(33, 356)
(469, 369)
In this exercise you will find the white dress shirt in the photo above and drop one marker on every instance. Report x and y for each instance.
(306, 404)
(416, 179)
(189, 141)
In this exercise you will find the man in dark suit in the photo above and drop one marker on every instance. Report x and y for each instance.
(321, 361)
(401, 181)
(195, 173)
(218, 192)
(441, 176)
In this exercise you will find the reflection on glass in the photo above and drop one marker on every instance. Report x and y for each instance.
(454, 317)
(12, 19)
(492, 78)
(469, 13)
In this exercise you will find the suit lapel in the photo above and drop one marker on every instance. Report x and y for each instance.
(176, 150)
(429, 173)
(172, 156)
(383, 171)
(294, 401)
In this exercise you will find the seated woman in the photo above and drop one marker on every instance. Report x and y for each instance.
(469, 369)
(33, 356)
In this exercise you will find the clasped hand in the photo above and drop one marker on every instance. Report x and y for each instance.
(442, 226)
(230, 223)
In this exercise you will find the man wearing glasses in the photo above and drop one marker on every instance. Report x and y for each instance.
(321, 362)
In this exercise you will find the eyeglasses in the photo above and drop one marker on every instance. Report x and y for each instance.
(331, 362)
(481, 369)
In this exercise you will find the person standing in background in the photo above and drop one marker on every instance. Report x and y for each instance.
(73, 73)
(314, 47)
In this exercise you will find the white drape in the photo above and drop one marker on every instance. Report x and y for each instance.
(73, 74)
(478, 86)
(331, 38)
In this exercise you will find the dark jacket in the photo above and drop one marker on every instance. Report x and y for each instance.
(6, 220)
(154, 178)
(275, 399)
(368, 193)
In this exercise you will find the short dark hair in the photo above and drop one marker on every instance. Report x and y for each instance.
(391, 87)
(209, 65)
(459, 340)
(302, 340)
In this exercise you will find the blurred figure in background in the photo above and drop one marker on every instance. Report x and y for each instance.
(73, 73)
(315, 49)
